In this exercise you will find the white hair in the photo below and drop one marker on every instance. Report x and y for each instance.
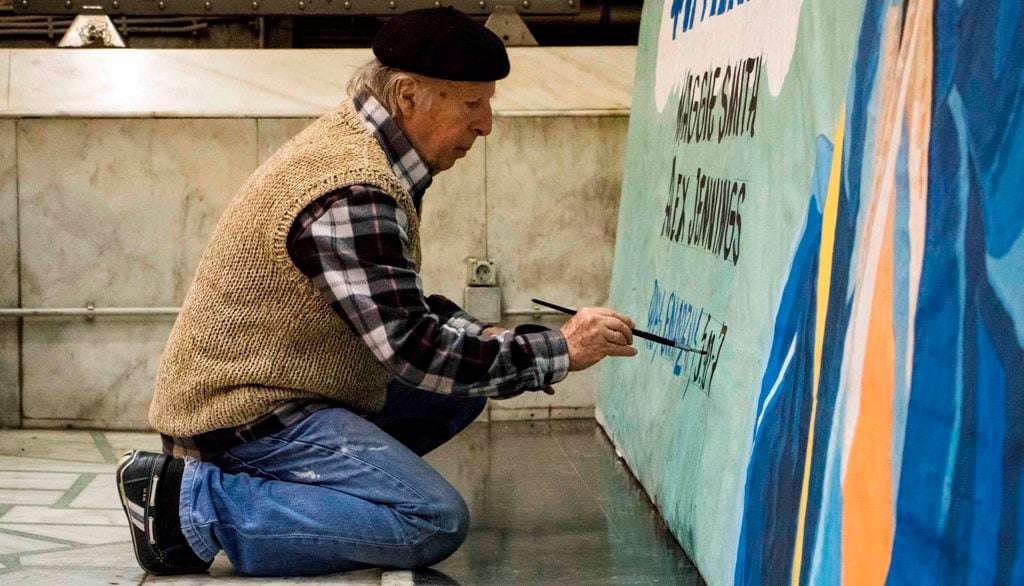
(383, 82)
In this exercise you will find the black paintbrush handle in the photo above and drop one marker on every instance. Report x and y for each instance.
(636, 332)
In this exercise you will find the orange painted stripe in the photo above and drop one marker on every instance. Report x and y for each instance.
(867, 488)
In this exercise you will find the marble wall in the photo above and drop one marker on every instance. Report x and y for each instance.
(279, 83)
(10, 395)
(553, 187)
(123, 219)
(120, 222)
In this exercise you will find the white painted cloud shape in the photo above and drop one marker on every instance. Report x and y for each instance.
(750, 29)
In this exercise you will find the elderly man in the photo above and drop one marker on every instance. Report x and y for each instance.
(307, 373)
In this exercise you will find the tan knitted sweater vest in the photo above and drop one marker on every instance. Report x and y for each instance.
(253, 331)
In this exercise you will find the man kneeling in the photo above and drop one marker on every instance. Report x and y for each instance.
(307, 373)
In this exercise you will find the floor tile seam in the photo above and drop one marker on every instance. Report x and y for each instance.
(58, 548)
(82, 547)
(104, 447)
(65, 524)
(54, 540)
(83, 481)
(57, 472)
(12, 561)
(113, 507)
(22, 470)
(590, 491)
(58, 460)
(94, 525)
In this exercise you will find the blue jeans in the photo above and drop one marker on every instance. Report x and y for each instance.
(334, 492)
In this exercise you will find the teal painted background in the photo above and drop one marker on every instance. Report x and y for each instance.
(684, 442)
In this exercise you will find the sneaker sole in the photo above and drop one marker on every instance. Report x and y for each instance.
(122, 464)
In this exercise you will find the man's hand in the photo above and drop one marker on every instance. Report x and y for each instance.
(596, 332)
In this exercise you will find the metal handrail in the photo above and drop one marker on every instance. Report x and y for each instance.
(87, 311)
(93, 311)
(537, 312)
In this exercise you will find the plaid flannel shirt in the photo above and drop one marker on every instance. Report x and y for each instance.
(353, 244)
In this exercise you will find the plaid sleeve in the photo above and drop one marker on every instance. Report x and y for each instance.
(454, 315)
(357, 254)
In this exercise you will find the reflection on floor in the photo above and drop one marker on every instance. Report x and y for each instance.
(550, 503)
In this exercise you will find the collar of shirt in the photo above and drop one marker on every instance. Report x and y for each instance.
(405, 161)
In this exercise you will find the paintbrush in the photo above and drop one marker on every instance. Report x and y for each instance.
(636, 332)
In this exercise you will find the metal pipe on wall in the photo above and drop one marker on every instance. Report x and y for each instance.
(537, 312)
(90, 311)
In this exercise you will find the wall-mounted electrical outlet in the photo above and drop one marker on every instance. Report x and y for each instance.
(482, 272)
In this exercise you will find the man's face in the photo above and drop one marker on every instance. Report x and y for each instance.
(442, 129)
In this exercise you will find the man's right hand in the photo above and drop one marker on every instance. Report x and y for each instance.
(596, 332)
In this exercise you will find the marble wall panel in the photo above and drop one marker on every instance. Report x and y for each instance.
(552, 205)
(545, 79)
(10, 387)
(207, 83)
(10, 393)
(553, 189)
(120, 222)
(125, 215)
(272, 133)
(279, 83)
(454, 220)
(91, 374)
(5, 78)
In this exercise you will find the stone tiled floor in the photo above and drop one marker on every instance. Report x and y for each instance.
(550, 504)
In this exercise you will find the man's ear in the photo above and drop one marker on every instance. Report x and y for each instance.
(407, 97)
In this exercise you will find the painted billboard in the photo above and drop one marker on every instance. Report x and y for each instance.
(823, 203)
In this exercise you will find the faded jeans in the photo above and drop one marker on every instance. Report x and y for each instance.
(334, 492)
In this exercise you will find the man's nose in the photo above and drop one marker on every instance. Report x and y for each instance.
(482, 124)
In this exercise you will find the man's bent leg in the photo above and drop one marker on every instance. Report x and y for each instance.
(422, 420)
(328, 494)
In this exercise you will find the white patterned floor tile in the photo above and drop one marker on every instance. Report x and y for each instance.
(84, 534)
(27, 514)
(38, 480)
(101, 493)
(43, 465)
(118, 555)
(77, 446)
(29, 497)
(17, 544)
(122, 441)
(75, 577)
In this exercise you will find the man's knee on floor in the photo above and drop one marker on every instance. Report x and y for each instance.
(451, 521)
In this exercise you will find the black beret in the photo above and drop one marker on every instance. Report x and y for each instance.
(442, 43)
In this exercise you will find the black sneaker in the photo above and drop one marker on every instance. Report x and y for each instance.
(149, 485)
